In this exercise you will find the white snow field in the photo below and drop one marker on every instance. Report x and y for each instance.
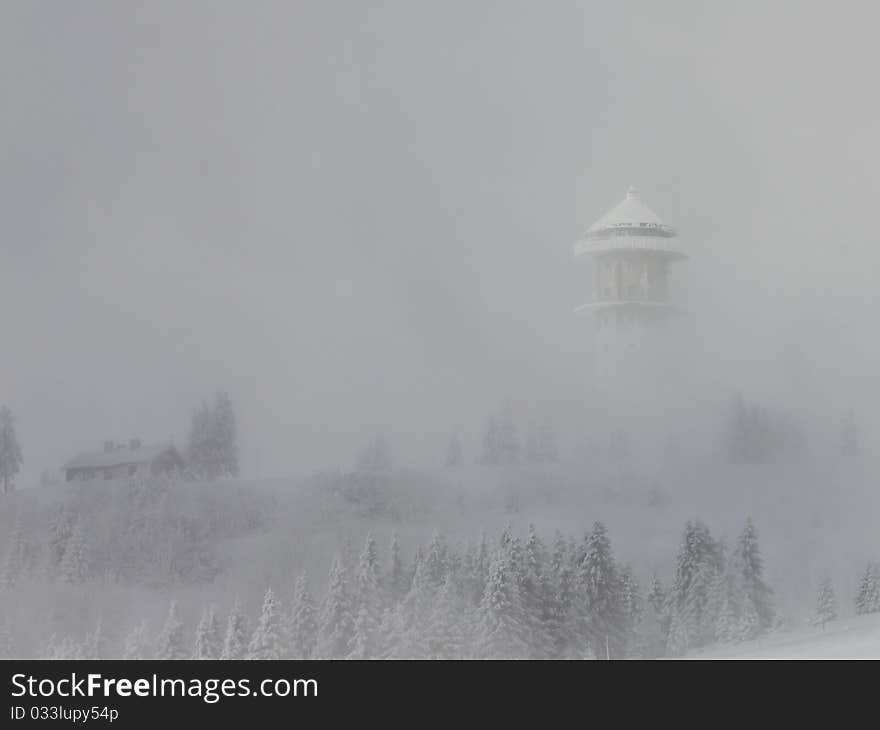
(856, 637)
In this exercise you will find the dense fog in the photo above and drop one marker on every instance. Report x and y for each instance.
(356, 220)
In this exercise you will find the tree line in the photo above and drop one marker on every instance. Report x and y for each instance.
(501, 598)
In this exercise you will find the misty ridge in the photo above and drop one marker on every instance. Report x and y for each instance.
(326, 342)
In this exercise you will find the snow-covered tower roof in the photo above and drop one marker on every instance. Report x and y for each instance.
(630, 224)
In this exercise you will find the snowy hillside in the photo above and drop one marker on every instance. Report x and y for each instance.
(857, 637)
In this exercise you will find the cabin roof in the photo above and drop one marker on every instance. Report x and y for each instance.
(119, 456)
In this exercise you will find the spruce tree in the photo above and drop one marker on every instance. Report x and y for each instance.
(826, 604)
(631, 607)
(15, 559)
(209, 640)
(367, 604)
(137, 643)
(7, 641)
(170, 643)
(435, 564)
(336, 623)
(446, 624)
(406, 632)
(536, 590)
(74, 566)
(302, 623)
(868, 596)
(267, 641)
(235, 642)
(10, 452)
(225, 435)
(748, 567)
(64, 648)
(561, 600)
(600, 592)
(397, 579)
(656, 595)
(94, 646)
(501, 624)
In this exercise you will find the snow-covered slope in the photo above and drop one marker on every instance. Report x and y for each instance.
(857, 637)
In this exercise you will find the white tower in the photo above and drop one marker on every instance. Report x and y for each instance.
(631, 249)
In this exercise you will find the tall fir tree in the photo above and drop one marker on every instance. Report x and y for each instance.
(397, 580)
(446, 626)
(748, 568)
(74, 566)
(336, 624)
(599, 587)
(368, 603)
(235, 641)
(868, 595)
(501, 626)
(209, 639)
(10, 451)
(7, 641)
(302, 622)
(406, 630)
(212, 452)
(15, 560)
(536, 591)
(826, 604)
(137, 643)
(95, 644)
(267, 641)
(170, 642)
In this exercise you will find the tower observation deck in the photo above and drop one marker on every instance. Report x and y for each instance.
(631, 249)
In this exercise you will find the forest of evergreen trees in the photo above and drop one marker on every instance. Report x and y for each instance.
(501, 598)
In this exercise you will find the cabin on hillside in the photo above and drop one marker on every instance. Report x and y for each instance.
(117, 461)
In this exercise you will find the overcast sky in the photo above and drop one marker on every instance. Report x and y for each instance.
(358, 216)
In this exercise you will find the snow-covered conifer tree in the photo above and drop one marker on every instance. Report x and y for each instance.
(209, 639)
(302, 623)
(170, 642)
(94, 645)
(16, 558)
(446, 623)
(599, 587)
(336, 623)
(137, 643)
(748, 567)
(397, 580)
(368, 603)
(868, 595)
(74, 566)
(235, 642)
(10, 452)
(7, 641)
(501, 627)
(826, 604)
(267, 641)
